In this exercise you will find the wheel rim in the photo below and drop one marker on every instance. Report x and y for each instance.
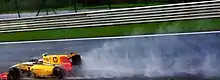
(57, 73)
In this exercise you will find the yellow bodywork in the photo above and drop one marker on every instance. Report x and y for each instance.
(53, 59)
(24, 67)
(42, 70)
(47, 67)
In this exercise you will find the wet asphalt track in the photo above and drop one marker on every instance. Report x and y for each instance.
(194, 56)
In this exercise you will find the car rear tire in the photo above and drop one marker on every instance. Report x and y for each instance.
(14, 74)
(58, 73)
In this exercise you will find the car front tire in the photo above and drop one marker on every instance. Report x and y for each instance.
(14, 74)
(58, 73)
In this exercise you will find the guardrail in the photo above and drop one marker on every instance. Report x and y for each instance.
(195, 10)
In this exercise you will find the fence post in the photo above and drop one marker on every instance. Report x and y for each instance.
(41, 4)
(16, 5)
(146, 3)
(6, 2)
(46, 10)
(109, 4)
(74, 5)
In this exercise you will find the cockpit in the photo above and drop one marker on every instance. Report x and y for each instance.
(35, 59)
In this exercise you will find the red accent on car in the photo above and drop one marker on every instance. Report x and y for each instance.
(67, 67)
(65, 59)
(66, 63)
(3, 76)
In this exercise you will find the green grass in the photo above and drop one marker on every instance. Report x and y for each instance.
(116, 30)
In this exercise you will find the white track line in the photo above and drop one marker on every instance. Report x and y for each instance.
(118, 37)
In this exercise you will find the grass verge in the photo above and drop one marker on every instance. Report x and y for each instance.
(115, 30)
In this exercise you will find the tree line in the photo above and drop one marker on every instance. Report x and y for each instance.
(10, 5)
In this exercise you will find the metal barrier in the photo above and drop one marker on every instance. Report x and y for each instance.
(195, 10)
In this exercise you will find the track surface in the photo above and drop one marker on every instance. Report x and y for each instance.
(150, 56)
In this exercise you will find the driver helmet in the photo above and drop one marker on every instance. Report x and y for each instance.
(44, 54)
(34, 59)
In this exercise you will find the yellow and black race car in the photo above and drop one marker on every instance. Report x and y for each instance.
(53, 66)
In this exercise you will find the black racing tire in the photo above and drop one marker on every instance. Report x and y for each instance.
(14, 74)
(58, 73)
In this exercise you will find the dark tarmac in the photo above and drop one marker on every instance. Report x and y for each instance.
(193, 57)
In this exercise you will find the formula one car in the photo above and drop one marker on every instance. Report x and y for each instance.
(53, 66)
